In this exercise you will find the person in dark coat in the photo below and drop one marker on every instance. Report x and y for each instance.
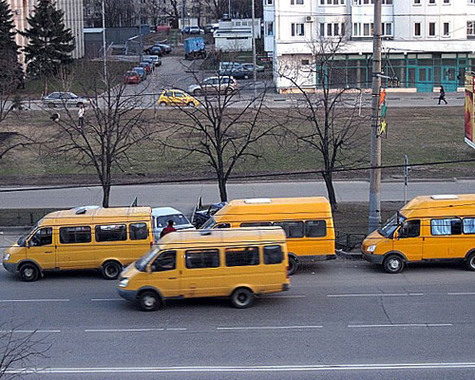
(442, 95)
(169, 228)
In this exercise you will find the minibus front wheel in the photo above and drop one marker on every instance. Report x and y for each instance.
(29, 272)
(393, 264)
(149, 300)
(111, 270)
(242, 298)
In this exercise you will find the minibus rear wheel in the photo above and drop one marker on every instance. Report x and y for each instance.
(29, 272)
(293, 265)
(149, 300)
(393, 264)
(111, 270)
(242, 298)
(471, 262)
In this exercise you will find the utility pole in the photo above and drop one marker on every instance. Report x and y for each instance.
(253, 31)
(104, 43)
(375, 144)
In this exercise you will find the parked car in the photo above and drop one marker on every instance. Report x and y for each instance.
(224, 66)
(203, 212)
(150, 61)
(174, 97)
(154, 50)
(161, 216)
(147, 66)
(211, 28)
(167, 49)
(250, 66)
(192, 30)
(141, 71)
(131, 77)
(238, 73)
(155, 58)
(65, 99)
(219, 84)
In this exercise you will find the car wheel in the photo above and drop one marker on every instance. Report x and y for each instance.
(242, 298)
(29, 272)
(470, 263)
(191, 104)
(197, 92)
(293, 265)
(163, 104)
(111, 270)
(79, 104)
(149, 301)
(393, 264)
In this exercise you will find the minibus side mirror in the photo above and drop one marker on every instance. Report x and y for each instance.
(396, 235)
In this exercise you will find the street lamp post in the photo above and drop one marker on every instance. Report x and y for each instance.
(104, 43)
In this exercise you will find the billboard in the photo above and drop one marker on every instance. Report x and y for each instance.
(469, 111)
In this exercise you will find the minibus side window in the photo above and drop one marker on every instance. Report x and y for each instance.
(292, 229)
(469, 226)
(273, 254)
(237, 256)
(44, 236)
(165, 261)
(315, 228)
(79, 234)
(111, 232)
(256, 224)
(138, 231)
(410, 229)
(202, 258)
(448, 226)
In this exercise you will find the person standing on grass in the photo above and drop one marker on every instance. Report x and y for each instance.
(81, 115)
(442, 95)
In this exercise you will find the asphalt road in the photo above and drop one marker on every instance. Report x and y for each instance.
(341, 320)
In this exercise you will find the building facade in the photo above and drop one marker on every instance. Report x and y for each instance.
(426, 43)
(73, 19)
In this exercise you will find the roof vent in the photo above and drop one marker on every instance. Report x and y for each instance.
(81, 211)
(442, 197)
(257, 200)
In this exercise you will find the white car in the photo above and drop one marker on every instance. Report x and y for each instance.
(65, 99)
(161, 216)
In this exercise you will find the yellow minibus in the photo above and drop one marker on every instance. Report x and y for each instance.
(234, 263)
(433, 227)
(307, 222)
(82, 238)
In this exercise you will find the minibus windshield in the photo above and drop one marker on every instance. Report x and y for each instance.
(208, 224)
(22, 239)
(387, 230)
(141, 263)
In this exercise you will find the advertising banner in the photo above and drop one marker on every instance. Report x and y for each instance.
(469, 111)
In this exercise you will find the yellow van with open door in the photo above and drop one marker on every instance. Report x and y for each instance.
(82, 238)
(307, 222)
(437, 227)
(235, 263)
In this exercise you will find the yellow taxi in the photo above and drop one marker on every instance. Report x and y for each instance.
(176, 98)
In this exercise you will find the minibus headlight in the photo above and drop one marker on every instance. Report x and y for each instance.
(124, 282)
(371, 248)
(6, 257)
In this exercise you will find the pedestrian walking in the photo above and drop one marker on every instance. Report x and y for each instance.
(81, 115)
(442, 95)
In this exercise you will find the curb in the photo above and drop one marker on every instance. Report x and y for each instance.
(352, 255)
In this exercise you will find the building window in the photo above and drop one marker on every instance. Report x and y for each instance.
(417, 29)
(446, 1)
(363, 2)
(297, 29)
(270, 28)
(298, 2)
(431, 1)
(471, 28)
(270, 2)
(387, 2)
(417, 2)
(387, 29)
(332, 2)
(431, 29)
(446, 29)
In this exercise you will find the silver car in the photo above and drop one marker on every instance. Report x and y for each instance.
(219, 84)
(64, 99)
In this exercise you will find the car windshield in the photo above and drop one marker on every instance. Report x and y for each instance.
(141, 263)
(178, 219)
(387, 230)
(208, 224)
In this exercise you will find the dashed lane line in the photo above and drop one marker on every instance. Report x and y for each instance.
(375, 295)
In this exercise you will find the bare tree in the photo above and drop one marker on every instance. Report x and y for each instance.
(221, 131)
(114, 123)
(119, 13)
(331, 120)
(17, 349)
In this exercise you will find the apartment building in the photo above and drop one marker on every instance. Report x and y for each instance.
(426, 43)
(73, 19)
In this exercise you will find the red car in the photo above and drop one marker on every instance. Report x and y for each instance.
(131, 77)
(147, 66)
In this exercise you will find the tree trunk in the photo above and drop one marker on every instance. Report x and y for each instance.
(328, 178)
(222, 189)
(106, 189)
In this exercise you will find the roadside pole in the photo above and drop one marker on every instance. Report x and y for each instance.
(253, 30)
(375, 143)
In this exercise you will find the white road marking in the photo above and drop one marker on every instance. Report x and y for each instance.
(29, 331)
(262, 368)
(404, 325)
(106, 299)
(376, 295)
(462, 294)
(121, 330)
(269, 327)
(40, 300)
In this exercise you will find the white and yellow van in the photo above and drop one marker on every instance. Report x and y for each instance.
(307, 222)
(428, 227)
(235, 263)
(82, 238)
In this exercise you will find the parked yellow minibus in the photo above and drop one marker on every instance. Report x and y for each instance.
(307, 222)
(82, 238)
(427, 228)
(234, 263)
